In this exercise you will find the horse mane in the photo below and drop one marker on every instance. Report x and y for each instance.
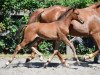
(97, 4)
(65, 13)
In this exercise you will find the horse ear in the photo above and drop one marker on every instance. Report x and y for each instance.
(76, 11)
(97, 4)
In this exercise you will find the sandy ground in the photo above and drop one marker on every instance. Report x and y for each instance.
(35, 67)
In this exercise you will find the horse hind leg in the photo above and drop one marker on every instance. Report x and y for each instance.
(50, 58)
(38, 53)
(34, 52)
(32, 56)
(17, 49)
(97, 41)
(19, 46)
(56, 52)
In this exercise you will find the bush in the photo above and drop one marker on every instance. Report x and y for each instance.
(8, 42)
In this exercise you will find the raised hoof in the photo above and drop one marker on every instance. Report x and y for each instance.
(27, 60)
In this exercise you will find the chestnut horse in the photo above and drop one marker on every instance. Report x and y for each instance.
(84, 13)
(45, 15)
(91, 26)
(51, 31)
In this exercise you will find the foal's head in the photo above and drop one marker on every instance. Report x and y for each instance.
(72, 14)
(75, 15)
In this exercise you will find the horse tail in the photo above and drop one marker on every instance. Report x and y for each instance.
(19, 33)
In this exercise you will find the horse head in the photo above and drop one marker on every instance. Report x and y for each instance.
(76, 16)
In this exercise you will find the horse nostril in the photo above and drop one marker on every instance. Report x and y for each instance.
(82, 21)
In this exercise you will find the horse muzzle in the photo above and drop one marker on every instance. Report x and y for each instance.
(80, 20)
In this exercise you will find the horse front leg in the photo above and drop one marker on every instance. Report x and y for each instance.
(67, 42)
(35, 51)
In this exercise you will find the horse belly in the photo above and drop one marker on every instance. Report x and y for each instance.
(48, 33)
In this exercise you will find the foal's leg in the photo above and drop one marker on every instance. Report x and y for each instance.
(97, 40)
(35, 51)
(17, 49)
(50, 58)
(22, 44)
(32, 56)
(67, 42)
(38, 53)
(56, 52)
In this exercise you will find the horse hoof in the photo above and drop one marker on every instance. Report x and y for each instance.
(85, 57)
(65, 65)
(46, 64)
(7, 63)
(27, 60)
(77, 63)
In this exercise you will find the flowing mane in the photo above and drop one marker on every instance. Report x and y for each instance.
(64, 14)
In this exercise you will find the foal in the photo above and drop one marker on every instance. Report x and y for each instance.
(45, 15)
(57, 31)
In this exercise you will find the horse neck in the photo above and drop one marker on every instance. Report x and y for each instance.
(67, 20)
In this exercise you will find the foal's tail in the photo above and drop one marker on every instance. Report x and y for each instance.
(19, 33)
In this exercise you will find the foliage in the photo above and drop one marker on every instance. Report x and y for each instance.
(2, 27)
(9, 6)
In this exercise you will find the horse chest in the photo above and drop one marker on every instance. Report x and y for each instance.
(81, 28)
(64, 30)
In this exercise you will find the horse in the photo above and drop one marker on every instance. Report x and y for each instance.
(91, 26)
(48, 11)
(93, 10)
(45, 15)
(59, 31)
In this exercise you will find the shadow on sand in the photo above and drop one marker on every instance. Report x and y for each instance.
(34, 65)
(52, 64)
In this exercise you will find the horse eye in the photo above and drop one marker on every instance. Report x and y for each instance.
(77, 13)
